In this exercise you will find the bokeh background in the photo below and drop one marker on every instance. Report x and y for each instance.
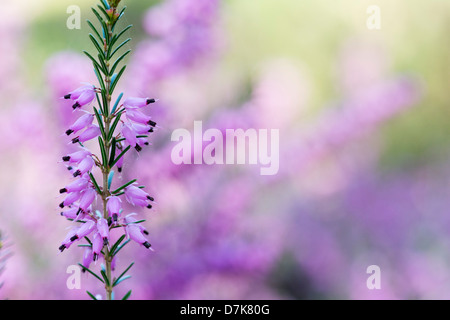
(364, 173)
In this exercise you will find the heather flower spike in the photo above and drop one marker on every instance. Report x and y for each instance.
(93, 206)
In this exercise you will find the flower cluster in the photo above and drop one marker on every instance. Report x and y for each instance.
(84, 194)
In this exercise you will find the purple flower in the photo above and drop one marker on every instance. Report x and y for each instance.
(71, 213)
(71, 198)
(75, 94)
(87, 198)
(114, 207)
(129, 219)
(135, 233)
(76, 186)
(142, 142)
(84, 166)
(136, 103)
(67, 242)
(138, 116)
(77, 156)
(88, 257)
(91, 132)
(142, 129)
(97, 245)
(138, 197)
(82, 122)
(82, 96)
(85, 229)
(103, 230)
(129, 134)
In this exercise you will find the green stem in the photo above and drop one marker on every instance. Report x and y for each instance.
(106, 169)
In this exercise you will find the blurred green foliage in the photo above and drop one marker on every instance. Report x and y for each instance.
(49, 34)
(311, 33)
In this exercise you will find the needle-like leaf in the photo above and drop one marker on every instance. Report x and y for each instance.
(91, 272)
(113, 151)
(124, 186)
(116, 244)
(118, 48)
(102, 10)
(91, 295)
(94, 182)
(119, 17)
(127, 295)
(117, 103)
(100, 19)
(105, 4)
(95, 30)
(116, 37)
(99, 78)
(103, 151)
(105, 278)
(97, 46)
(95, 62)
(121, 246)
(114, 125)
(116, 79)
(100, 123)
(110, 178)
(116, 63)
(118, 158)
(122, 274)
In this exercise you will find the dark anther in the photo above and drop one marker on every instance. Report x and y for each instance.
(75, 237)
(77, 173)
(61, 248)
(75, 140)
(76, 105)
(149, 206)
(150, 198)
(105, 241)
(66, 158)
(62, 190)
(61, 205)
(145, 232)
(152, 123)
(147, 245)
(68, 132)
(67, 96)
(151, 101)
(138, 148)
